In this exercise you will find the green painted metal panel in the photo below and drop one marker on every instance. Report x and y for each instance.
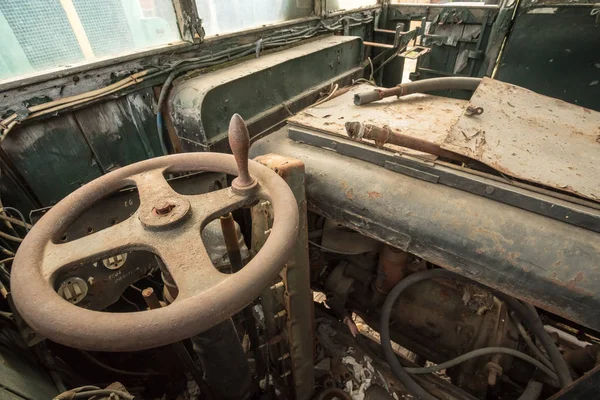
(203, 105)
(52, 157)
(553, 49)
(121, 131)
(21, 375)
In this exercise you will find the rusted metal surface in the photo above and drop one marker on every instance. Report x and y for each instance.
(151, 299)
(548, 263)
(206, 296)
(532, 137)
(384, 134)
(419, 116)
(391, 268)
(296, 278)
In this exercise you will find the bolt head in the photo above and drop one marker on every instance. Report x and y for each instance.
(164, 207)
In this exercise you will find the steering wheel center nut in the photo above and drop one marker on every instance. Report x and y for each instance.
(164, 212)
(164, 207)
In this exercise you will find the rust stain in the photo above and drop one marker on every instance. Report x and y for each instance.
(375, 195)
(572, 284)
(350, 194)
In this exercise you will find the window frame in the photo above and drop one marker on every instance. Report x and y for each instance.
(191, 32)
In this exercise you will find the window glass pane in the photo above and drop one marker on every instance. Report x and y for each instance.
(43, 34)
(223, 16)
(333, 5)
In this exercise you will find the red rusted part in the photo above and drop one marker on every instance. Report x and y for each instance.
(391, 269)
(206, 297)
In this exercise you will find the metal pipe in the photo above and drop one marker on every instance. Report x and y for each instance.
(422, 86)
(382, 135)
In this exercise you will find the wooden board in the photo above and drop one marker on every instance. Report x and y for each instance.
(532, 137)
(419, 115)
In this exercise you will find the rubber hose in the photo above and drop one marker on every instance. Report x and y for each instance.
(433, 84)
(533, 391)
(526, 317)
(481, 352)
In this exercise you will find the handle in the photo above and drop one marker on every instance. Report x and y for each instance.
(239, 141)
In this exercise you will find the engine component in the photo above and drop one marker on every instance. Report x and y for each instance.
(456, 317)
(391, 268)
(523, 313)
(205, 297)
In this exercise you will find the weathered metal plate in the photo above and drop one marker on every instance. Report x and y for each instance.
(532, 137)
(201, 105)
(419, 115)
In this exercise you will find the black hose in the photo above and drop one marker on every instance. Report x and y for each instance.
(434, 84)
(531, 321)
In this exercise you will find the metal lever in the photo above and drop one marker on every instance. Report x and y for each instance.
(239, 141)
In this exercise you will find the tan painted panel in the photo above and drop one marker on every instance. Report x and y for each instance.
(532, 137)
(419, 115)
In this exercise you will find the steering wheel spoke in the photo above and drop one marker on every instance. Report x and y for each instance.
(124, 236)
(189, 264)
(209, 206)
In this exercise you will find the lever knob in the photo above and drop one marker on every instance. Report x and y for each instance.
(239, 141)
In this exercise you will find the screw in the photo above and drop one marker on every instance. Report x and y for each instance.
(163, 208)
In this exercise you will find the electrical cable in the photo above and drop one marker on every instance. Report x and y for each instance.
(10, 237)
(481, 352)
(329, 96)
(104, 392)
(16, 221)
(527, 339)
(533, 391)
(23, 221)
(532, 322)
(327, 249)
(131, 303)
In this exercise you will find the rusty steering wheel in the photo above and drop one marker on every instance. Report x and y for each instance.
(169, 225)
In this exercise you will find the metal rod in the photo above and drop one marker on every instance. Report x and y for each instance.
(381, 45)
(235, 259)
(382, 135)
